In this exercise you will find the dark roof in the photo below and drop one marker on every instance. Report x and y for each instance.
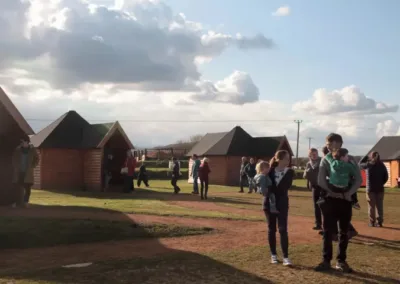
(177, 146)
(237, 142)
(9, 111)
(388, 148)
(71, 131)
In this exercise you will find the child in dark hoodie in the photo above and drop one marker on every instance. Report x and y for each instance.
(263, 181)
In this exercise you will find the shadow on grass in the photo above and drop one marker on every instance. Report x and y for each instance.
(48, 244)
(367, 240)
(363, 277)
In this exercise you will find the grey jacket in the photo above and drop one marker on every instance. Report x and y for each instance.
(311, 173)
(324, 172)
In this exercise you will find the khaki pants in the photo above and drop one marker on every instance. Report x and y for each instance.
(375, 204)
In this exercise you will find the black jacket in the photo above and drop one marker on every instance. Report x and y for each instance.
(376, 175)
(250, 170)
(176, 170)
(142, 170)
(280, 190)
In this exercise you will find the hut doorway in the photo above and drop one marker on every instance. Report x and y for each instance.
(117, 147)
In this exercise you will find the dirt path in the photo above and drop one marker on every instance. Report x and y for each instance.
(229, 235)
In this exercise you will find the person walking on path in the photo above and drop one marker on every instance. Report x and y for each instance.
(204, 171)
(129, 169)
(282, 178)
(143, 176)
(336, 209)
(311, 174)
(176, 173)
(243, 176)
(377, 176)
(195, 173)
(250, 171)
(24, 160)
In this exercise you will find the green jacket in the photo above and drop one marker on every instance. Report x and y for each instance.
(195, 168)
(340, 172)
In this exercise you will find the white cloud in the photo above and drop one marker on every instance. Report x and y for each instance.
(141, 44)
(138, 60)
(282, 11)
(349, 100)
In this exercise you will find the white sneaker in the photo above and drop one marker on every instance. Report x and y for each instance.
(286, 262)
(274, 259)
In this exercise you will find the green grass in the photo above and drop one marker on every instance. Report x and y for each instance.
(247, 265)
(156, 201)
(22, 233)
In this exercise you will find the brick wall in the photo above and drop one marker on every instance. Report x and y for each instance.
(61, 169)
(92, 161)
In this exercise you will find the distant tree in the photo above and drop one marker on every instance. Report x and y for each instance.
(196, 138)
(193, 138)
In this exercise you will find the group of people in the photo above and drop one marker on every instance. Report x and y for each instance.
(128, 170)
(335, 179)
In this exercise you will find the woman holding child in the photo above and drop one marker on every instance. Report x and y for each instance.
(274, 182)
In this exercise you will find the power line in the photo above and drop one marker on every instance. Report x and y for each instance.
(298, 136)
(171, 121)
(309, 142)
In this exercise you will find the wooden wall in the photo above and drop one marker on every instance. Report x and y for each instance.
(61, 169)
(92, 163)
(37, 177)
(394, 172)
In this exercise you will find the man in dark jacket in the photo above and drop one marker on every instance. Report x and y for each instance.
(107, 169)
(311, 174)
(243, 176)
(175, 175)
(336, 210)
(250, 171)
(142, 176)
(377, 176)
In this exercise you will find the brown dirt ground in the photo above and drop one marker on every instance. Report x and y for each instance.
(229, 235)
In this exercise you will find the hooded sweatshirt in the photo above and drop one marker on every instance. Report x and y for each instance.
(263, 182)
(340, 172)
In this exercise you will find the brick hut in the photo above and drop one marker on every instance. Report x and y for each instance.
(72, 150)
(226, 149)
(388, 148)
(13, 127)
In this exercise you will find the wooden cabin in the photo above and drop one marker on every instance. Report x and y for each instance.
(13, 128)
(388, 148)
(72, 152)
(226, 149)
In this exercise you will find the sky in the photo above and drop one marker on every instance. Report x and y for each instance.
(175, 68)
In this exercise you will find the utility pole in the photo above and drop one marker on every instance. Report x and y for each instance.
(298, 136)
(309, 142)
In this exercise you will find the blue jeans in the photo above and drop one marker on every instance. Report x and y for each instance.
(195, 184)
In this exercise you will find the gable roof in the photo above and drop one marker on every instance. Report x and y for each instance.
(12, 111)
(388, 148)
(238, 142)
(72, 131)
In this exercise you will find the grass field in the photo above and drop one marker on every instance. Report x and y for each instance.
(216, 249)
(158, 200)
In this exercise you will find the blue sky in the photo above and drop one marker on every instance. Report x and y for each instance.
(329, 44)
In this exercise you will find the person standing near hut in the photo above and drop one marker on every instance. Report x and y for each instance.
(242, 173)
(311, 174)
(25, 159)
(143, 176)
(377, 176)
(336, 210)
(107, 167)
(251, 173)
(129, 170)
(195, 173)
(176, 173)
(204, 171)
